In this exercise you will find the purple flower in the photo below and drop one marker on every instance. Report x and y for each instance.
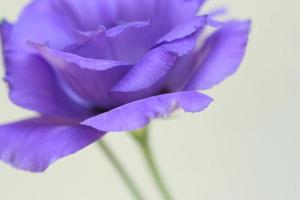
(89, 67)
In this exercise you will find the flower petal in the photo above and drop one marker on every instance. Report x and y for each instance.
(184, 30)
(42, 22)
(181, 72)
(221, 55)
(32, 82)
(35, 144)
(55, 21)
(178, 11)
(136, 115)
(5, 30)
(134, 10)
(176, 19)
(91, 79)
(113, 43)
(155, 65)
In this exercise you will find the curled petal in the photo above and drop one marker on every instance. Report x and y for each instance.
(137, 114)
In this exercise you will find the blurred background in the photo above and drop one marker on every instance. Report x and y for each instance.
(245, 146)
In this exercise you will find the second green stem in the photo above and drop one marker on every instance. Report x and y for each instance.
(141, 137)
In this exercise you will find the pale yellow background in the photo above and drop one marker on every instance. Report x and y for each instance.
(245, 146)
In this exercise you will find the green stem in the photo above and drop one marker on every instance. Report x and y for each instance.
(141, 137)
(121, 170)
